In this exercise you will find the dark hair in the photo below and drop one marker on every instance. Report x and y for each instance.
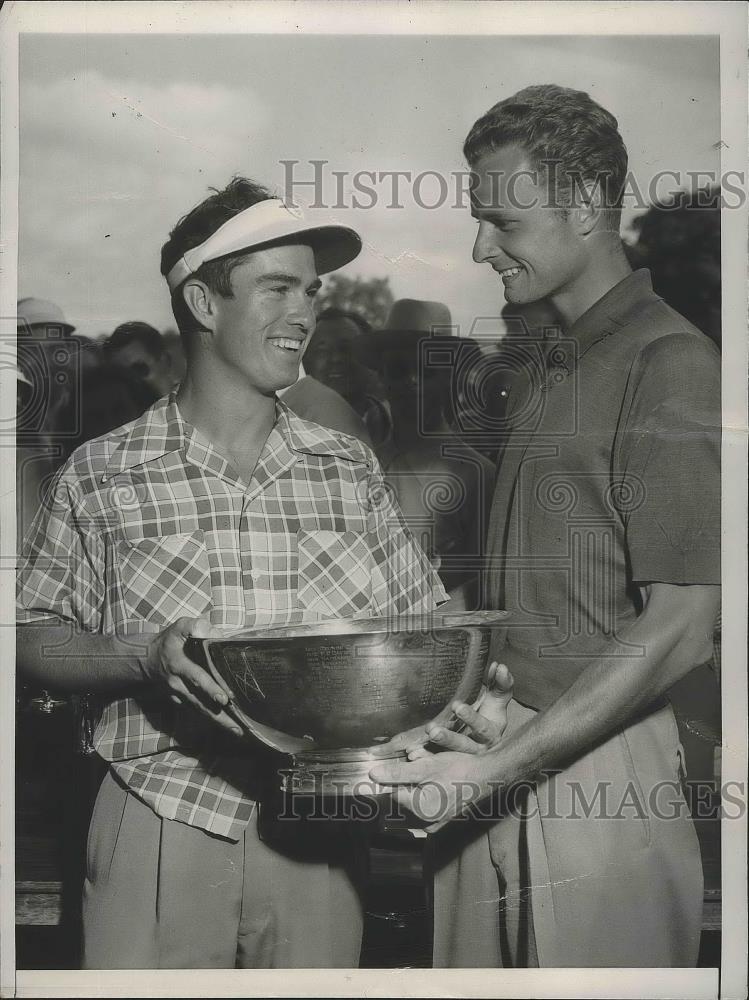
(142, 333)
(333, 313)
(194, 228)
(558, 128)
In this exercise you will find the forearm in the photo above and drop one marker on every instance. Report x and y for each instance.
(605, 695)
(58, 657)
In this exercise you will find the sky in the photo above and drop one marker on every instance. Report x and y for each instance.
(120, 135)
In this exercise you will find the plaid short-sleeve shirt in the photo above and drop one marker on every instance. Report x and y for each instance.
(150, 523)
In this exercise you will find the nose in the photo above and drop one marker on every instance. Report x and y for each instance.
(485, 246)
(340, 354)
(302, 314)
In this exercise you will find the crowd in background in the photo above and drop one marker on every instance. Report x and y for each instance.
(431, 405)
(393, 373)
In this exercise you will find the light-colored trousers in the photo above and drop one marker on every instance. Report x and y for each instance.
(546, 886)
(163, 895)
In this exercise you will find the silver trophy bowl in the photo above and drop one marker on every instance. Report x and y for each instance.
(332, 695)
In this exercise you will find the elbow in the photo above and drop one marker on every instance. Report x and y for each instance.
(34, 663)
(30, 668)
(684, 617)
(701, 650)
(693, 650)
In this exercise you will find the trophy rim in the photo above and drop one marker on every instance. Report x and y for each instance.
(331, 627)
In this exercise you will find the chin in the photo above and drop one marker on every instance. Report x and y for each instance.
(277, 382)
(518, 298)
(286, 383)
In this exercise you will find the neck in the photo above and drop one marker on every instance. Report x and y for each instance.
(605, 269)
(223, 407)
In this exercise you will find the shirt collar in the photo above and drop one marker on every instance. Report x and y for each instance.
(314, 439)
(155, 433)
(610, 313)
(162, 429)
(613, 310)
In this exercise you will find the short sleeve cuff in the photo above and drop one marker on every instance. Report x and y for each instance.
(668, 565)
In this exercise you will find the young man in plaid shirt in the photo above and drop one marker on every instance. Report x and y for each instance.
(218, 507)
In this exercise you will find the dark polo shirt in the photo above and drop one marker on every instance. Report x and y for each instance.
(610, 479)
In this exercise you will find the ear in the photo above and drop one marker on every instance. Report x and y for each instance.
(200, 301)
(588, 213)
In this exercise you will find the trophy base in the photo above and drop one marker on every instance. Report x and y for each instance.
(335, 772)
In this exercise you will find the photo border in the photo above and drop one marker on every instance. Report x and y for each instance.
(728, 20)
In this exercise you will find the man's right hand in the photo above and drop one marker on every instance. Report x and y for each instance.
(186, 682)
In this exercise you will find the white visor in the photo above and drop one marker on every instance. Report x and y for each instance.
(268, 222)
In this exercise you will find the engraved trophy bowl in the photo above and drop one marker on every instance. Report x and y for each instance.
(332, 694)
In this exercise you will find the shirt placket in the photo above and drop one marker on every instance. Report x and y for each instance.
(231, 611)
(267, 590)
(251, 563)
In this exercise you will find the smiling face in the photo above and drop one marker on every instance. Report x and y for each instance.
(328, 357)
(261, 332)
(532, 247)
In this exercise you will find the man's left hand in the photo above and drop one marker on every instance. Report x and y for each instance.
(435, 788)
(483, 723)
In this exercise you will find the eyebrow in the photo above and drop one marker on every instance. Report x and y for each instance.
(287, 279)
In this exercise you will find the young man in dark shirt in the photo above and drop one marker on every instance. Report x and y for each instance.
(604, 542)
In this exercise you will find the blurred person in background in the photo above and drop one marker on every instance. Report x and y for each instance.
(329, 358)
(678, 240)
(138, 350)
(110, 395)
(443, 485)
(312, 400)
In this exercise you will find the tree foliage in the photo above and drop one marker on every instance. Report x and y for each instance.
(371, 298)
